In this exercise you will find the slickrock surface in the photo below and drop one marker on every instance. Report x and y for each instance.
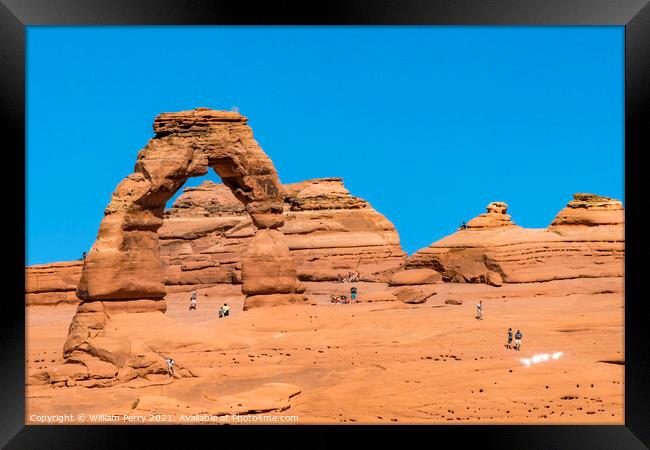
(586, 240)
(379, 362)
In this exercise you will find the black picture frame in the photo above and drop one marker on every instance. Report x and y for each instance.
(634, 15)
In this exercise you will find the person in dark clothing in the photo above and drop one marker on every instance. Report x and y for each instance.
(509, 344)
(518, 337)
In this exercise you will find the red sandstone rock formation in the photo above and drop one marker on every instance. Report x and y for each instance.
(591, 210)
(123, 272)
(207, 231)
(494, 217)
(51, 284)
(331, 232)
(586, 239)
(327, 230)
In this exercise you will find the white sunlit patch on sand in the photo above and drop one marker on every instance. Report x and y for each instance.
(540, 358)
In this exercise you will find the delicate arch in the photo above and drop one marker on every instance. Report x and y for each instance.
(123, 273)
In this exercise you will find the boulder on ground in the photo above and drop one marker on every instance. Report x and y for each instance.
(409, 294)
(453, 302)
(493, 279)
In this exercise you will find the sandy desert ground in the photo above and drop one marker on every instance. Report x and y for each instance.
(365, 363)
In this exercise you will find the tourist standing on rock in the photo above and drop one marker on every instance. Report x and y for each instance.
(353, 293)
(224, 311)
(193, 301)
(518, 337)
(509, 344)
(170, 366)
(479, 310)
(339, 279)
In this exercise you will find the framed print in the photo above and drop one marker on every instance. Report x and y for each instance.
(354, 215)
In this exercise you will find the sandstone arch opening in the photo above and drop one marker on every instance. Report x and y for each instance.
(122, 271)
(193, 183)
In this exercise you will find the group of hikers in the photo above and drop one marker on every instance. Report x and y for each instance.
(463, 226)
(224, 311)
(343, 298)
(518, 335)
(351, 278)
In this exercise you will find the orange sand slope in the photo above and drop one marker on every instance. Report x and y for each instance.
(372, 362)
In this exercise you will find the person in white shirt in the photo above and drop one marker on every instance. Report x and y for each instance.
(193, 301)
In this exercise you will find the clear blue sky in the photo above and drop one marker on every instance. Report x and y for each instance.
(429, 124)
